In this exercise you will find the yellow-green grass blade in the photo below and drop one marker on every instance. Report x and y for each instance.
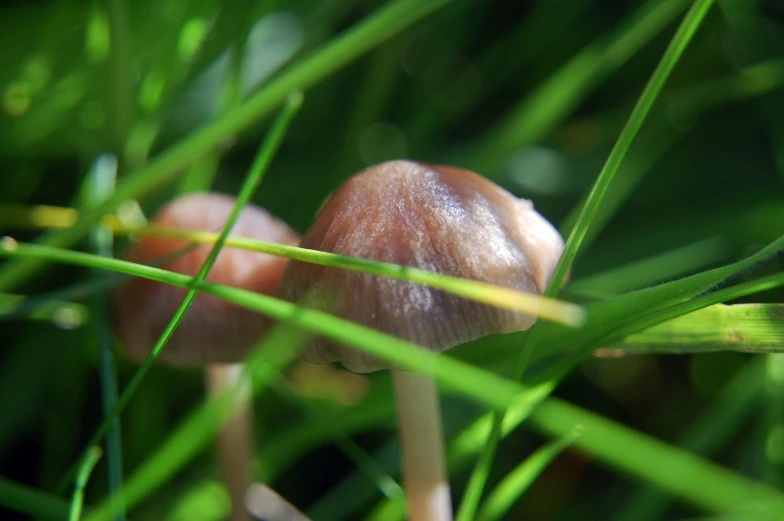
(263, 364)
(533, 304)
(751, 328)
(85, 469)
(63, 313)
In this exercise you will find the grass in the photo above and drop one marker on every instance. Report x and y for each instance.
(673, 250)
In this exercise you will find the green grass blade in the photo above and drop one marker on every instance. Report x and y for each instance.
(347, 498)
(675, 49)
(481, 385)
(516, 482)
(98, 187)
(679, 307)
(683, 35)
(604, 318)
(700, 482)
(91, 457)
(382, 24)
(32, 501)
(752, 328)
(255, 175)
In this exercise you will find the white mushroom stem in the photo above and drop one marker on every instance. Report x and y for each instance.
(425, 478)
(235, 438)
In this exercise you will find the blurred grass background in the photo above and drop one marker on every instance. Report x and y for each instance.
(532, 94)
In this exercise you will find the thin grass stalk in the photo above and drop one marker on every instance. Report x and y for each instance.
(675, 49)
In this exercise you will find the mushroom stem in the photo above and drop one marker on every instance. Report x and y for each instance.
(235, 438)
(422, 445)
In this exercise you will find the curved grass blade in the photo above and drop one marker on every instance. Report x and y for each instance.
(680, 40)
(382, 24)
(547, 308)
(85, 469)
(484, 386)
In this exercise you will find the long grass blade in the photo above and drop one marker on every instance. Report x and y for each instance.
(547, 308)
(680, 40)
(98, 187)
(453, 374)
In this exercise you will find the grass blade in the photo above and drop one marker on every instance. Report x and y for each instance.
(751, 328)
(85, 469)
(99, 186)
(680, 40)
(453, 374)
(540, 112)
(550, 309)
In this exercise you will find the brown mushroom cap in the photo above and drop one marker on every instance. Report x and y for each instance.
(212, 330)
(436, 218)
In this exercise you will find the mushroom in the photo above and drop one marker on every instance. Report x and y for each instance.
(438, 218)
(213, 333)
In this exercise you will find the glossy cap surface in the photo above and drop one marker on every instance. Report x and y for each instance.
(212, 329)
(436, 218)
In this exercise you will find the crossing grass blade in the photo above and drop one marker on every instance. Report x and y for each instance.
(675, 49)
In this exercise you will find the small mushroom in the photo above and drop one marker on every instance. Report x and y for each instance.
(213, 333)
(438, 218)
